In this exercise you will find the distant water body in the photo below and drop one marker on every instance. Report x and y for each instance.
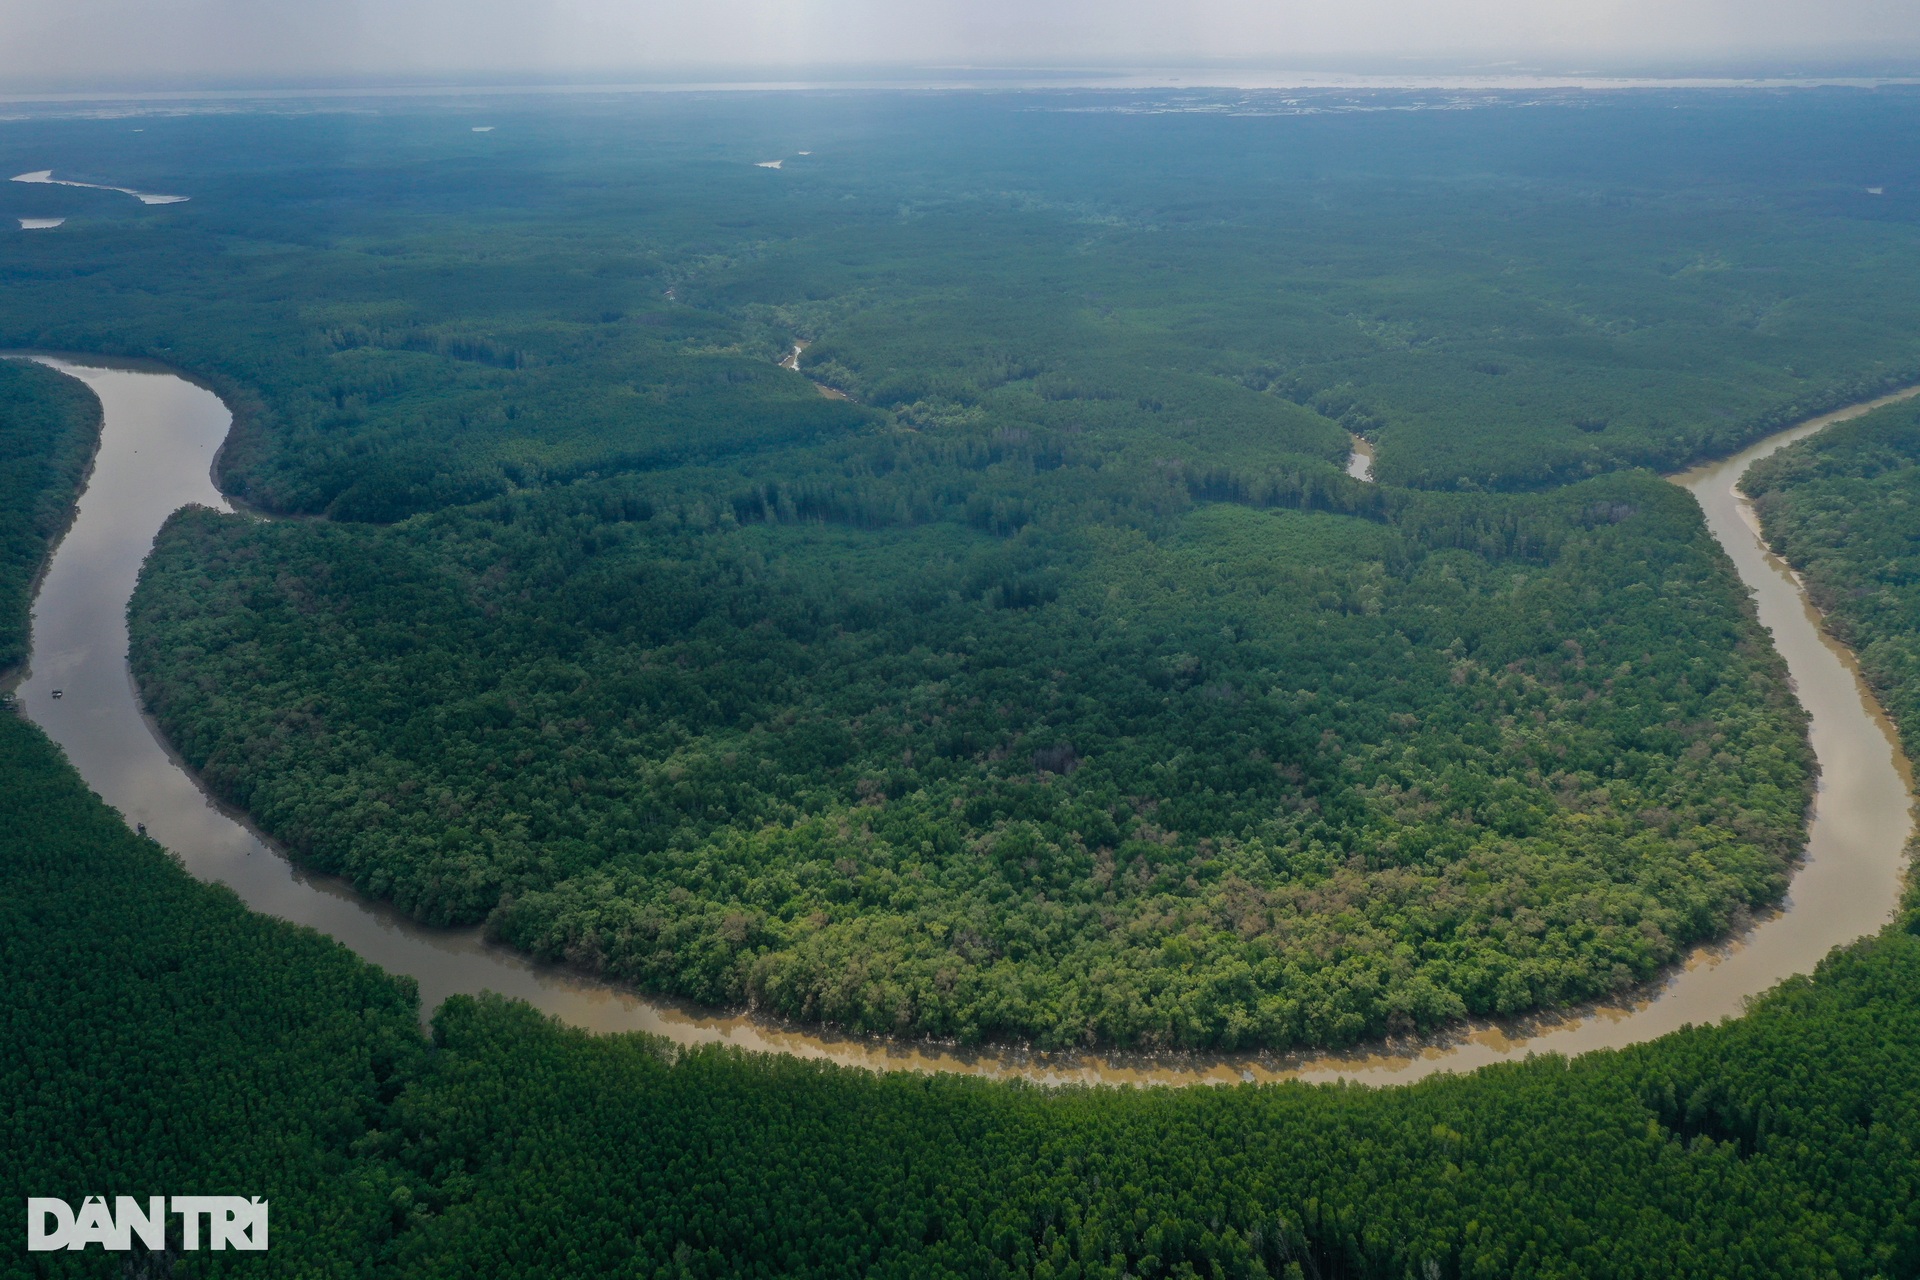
(949, 79)
(157, 448)
(45, 177)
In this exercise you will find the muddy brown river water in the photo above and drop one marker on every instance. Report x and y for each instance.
(1360, 460)
(156, 454)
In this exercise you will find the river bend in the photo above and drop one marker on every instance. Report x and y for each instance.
(159, 441)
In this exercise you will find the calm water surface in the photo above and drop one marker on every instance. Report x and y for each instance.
(1360, 460)
(156, 454)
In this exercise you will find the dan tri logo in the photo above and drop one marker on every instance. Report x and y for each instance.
(232, 1222)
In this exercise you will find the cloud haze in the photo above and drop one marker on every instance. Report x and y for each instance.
(121, 39)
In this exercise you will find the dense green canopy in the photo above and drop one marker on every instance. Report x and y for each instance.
(1212, 776)
(48, 426)
(1844, 509)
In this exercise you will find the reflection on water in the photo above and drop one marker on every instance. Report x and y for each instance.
(156, 454)
(40, 224)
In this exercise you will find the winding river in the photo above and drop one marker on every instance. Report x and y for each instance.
(156, 454)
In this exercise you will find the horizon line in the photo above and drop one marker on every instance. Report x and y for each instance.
(1218, 75)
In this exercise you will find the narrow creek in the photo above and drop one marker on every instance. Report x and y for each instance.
(157, 449)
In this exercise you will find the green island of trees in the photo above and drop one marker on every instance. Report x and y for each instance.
(1222, 777)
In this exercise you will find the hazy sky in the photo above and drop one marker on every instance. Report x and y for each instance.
(121, 39)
